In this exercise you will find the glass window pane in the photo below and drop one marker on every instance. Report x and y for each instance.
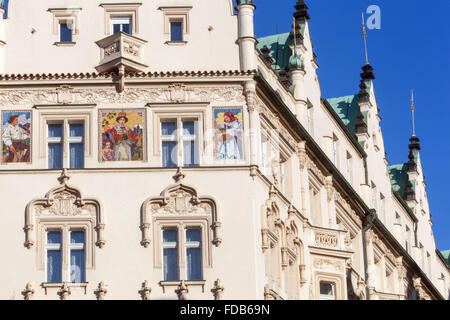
(169, 154)
(55, 130)
(194, 264)
(77, 266)
(176, 31)
(76, 130)
(326, 288)
(189, 154)
(77, 237)
(54, 237)
(116, 28)
(76, 155)
(193, 235)
(126, 28)
(55, 156)
(188, 127)
(65, 32)
(170, 262)
(54, 268)
(168, 128)
(170, 235)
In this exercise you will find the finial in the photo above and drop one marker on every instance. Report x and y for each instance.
(101, 291)
(365, 37)
(179, 176)
(413, 111)
(145, 291)
(301, 14)
(64, 177)
(217, 290)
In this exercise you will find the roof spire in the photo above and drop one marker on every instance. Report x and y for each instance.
(365, 37)
(295, 62)
(414, 145)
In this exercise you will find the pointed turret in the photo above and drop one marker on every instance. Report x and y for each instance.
(301, 14)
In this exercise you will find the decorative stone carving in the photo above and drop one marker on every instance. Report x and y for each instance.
(28, 292)
(64, 292)
(271, 222)
(101, 291)
(323, 239)
(174, 93)
(63, 203)
(329, 265)
(311, 165)
(329, 187)
(182, 201)
(145, 291)
(270, 294)
(217, 290)
(182, 291)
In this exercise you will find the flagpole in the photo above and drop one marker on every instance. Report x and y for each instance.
(413, 111)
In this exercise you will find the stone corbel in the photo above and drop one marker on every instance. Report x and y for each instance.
(182, 291)
(101, 291)
(284, 258)
(302, 270)
(64, 292)
(28, 293)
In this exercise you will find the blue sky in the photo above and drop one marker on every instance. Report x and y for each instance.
(410, 51)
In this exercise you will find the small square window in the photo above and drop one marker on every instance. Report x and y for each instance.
(327, 291)
(65, 32)
(176, 31)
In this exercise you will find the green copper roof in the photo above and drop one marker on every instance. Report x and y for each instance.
(446, 255)
(2, 4)
(347, 109)
(399, 178)
(279, 46)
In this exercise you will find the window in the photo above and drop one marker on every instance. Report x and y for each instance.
(327, 291)
(310, 119)
(407, 240)
(193, 254)
(348, 168)
(314, 204)
(176, 24)
(76, 252)
(122, 24)
(170, 255)
(192, 244)
(335, 150)
(56, 145)
(176, 30)
(179, 147)
(54, 256)
(77, 256)
(65, 32)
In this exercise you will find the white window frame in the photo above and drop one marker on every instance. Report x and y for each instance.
(176, 14)
(121, 20)
(76, 246)
(113, 10)
(53, 247)
(179, 137)
(66, 140)
(170, 245)
(193, 245)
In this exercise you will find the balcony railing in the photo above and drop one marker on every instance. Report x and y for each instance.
(121, 50)
(330, 239)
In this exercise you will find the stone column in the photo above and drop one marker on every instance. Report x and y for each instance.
(246, 31)
(254, 126)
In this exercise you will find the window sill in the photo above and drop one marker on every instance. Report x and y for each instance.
(46, 285)
(197, 283)
(176, 43)
(64, 44)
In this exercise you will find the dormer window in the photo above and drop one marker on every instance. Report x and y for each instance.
(121, 24)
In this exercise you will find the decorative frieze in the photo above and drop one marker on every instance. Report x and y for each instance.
(175, 93)
(329, 265)
(326, 240)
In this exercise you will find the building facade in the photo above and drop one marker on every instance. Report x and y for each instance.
(116, 118)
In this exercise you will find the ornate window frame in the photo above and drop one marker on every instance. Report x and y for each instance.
(176, 14)
(67, 15)
(180, 206)
(64, 208)
(119, 10)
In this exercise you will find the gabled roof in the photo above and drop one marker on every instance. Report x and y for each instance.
(347, 109)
